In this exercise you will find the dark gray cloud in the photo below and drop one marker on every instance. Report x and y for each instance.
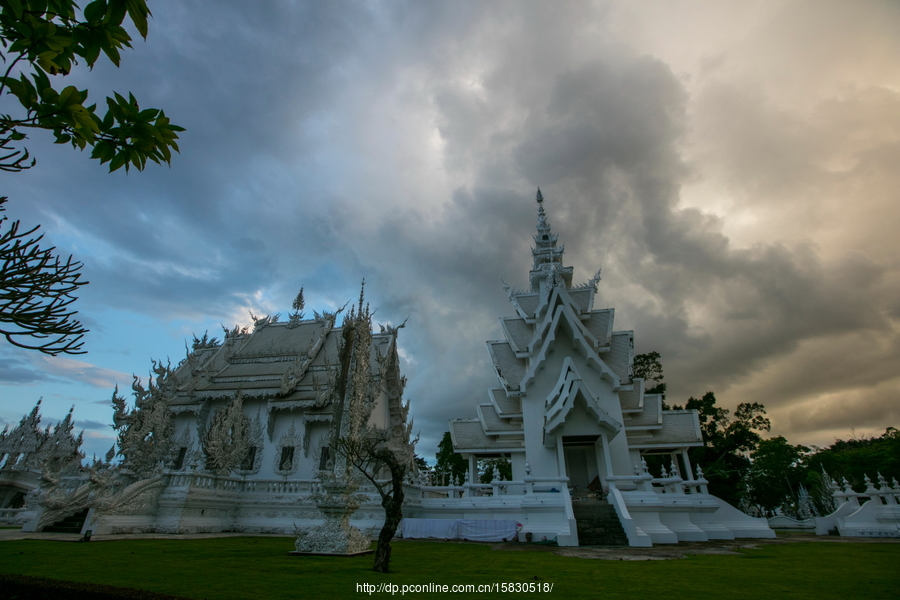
(744, 223)
(20, 371)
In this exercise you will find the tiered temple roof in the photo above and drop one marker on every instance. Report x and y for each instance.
(528, 336)
(292, 364)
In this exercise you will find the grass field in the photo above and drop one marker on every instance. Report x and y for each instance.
(260, 568)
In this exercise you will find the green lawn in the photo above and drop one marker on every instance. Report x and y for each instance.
(260, 568)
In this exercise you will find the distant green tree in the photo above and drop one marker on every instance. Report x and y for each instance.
(420, 463)
(649, 368)
(486, 469)
(449, 465)
(857, 457)
(727, 443)
(775, 475)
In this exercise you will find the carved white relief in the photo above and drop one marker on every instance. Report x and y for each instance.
(287, 455)
(227, 438)
(252, 460)
(308, 423)
(150, 421)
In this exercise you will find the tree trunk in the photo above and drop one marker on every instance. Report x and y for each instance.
(393, 514)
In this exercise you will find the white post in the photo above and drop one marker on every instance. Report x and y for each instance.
(687, 464)
(606, 458)
(560, 458)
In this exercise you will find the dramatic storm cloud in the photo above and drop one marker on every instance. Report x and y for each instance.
(730, 166)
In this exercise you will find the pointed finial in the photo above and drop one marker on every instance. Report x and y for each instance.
(542, 216)
(507, 288)
(362, 295)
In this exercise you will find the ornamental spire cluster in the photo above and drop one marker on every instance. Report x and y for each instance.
(544, 238)
(546, 255)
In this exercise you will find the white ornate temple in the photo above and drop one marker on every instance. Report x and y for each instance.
(575, 425)
(241, 436)
(235, 436)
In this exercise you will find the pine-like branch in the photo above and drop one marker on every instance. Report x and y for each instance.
(36, 290)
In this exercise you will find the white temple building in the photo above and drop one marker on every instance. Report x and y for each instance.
(239, 435)
(234, 438)
(573, 422)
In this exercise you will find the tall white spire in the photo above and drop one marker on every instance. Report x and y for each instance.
(547, 267)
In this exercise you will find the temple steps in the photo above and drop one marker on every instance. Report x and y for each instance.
(71, 524)
(598, 524)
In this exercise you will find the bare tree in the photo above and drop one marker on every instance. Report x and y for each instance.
(374, 455)
(36, 289)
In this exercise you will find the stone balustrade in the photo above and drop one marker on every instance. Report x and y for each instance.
(497, 487)
(9, 514)
(238, 484)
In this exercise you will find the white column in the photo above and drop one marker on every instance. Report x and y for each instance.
(687, 464)
(606, 457)
(560, 458)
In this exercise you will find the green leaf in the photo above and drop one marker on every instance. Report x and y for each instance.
(138, 11)
(94, 11)
(118, 162)
(115, 12)
(69, 95)
(112, 53)
(49, 39)
(16, 7)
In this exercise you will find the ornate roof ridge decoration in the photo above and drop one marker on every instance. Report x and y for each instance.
(570, 386)
(559, 307)
(264, 358)
(28, 446)
(295, 374)
(589, 284)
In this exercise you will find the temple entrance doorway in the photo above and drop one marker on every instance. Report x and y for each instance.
(580, 454)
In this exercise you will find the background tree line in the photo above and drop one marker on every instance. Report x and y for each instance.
(742, 467)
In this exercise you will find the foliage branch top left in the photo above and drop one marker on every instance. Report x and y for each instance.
(44, 38)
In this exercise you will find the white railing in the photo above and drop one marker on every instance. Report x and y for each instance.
(7, 514)
(496, 488)
(661, 485)
(237, 484)
(641, 483)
